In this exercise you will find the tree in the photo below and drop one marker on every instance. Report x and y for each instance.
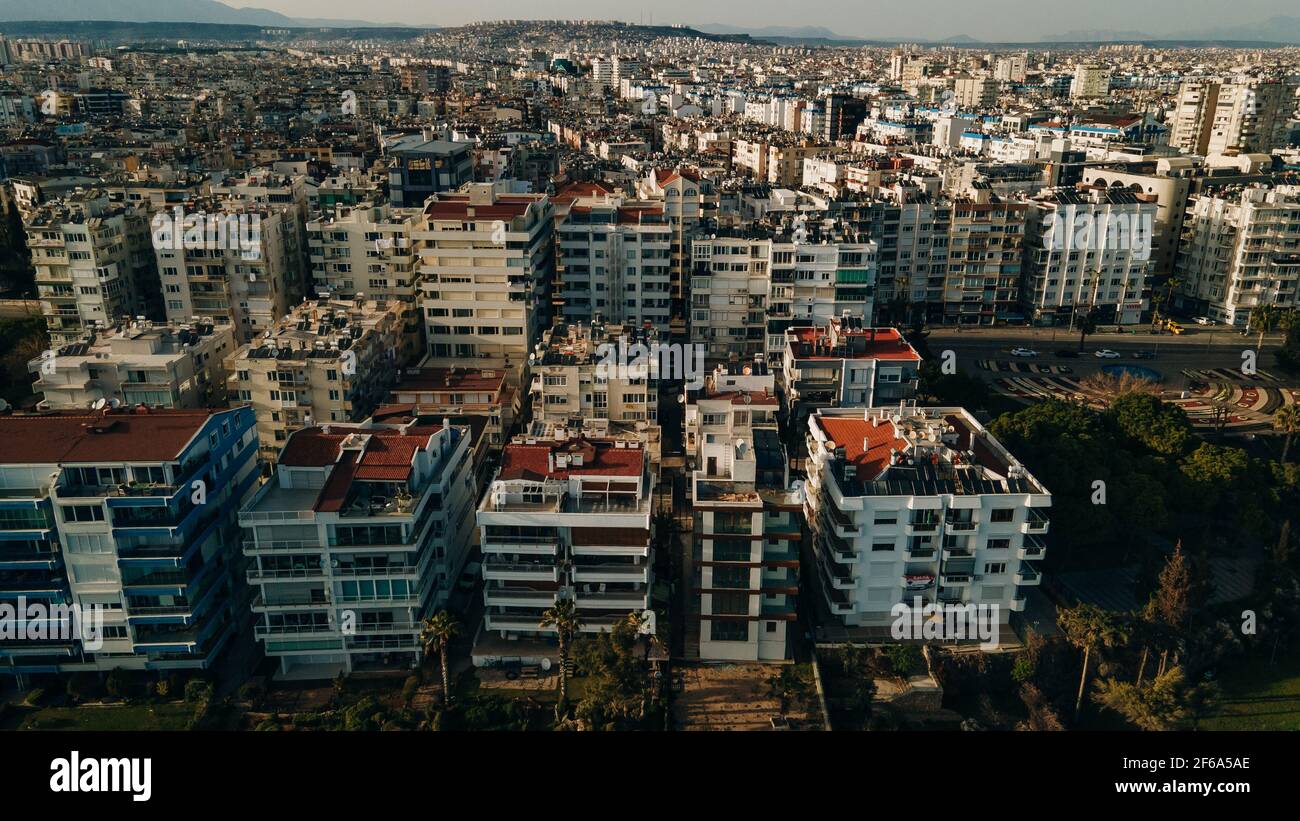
(787, 686)
(1088, 628)
(1165, 703)
(563, 617)
(1263, 318)
(619, 693)
(436, 635)
(1087, 326)
(1287, 421)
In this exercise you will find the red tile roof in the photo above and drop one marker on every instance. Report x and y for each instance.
(866, 445)
(127, 435)
(599, 458)
(444, 380)
(888, 344)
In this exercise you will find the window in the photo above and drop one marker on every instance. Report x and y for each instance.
(731, 604)
(770, 626)
(735, 577)
(998, 544)
(729, 630)
(886, 518)
(83, 513)
(994, 568)
(1002, 514)
(881, 547)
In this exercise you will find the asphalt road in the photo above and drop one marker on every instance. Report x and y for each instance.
(1195, 350)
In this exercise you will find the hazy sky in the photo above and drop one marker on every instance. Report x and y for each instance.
(932, 19)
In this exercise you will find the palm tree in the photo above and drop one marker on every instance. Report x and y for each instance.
(1087, 327)
(436, 635)
(1262, 318)
(563, 616)
(1171, 285)
(1287, 420)
(1088, 628)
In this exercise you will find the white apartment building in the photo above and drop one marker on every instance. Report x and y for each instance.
(682, 193)
(565, 517)
(93, 263)
(250, 287)
(614, 262)
(366, 249)
(138, 363)
(1240, 248)
(909, 502)
(1086, 251)
(486, 262)
(572, 380)
(1091, 81)
(1247, 115)
(730, 281)
(329, 360)
(361, 533)
(745, 565)
(846, 363)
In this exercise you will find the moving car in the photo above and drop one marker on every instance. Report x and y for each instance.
(1023, 352)
(1106, 353)
(1144, 354)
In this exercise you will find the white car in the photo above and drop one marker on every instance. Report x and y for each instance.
(1203, 320)
(1023, 352)
(1106, 353)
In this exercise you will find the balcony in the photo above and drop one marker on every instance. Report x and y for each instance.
(263, 631)
(302, 574)
(265, 546)
(956, 525)
(290, 602)
(504, 596)
(1027, 576)
(611, 573)
(1032, 549)
(1017, 604)
(950, 553)
(920, 552)
(537, 546)
(954, 579)
(520, 571)
(614, 598)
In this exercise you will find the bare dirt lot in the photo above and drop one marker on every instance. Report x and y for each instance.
(735, 697)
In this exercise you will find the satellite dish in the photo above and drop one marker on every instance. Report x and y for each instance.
(98, 404)
(681, 400)
(546, 664)
(4, 405)
(115, 403)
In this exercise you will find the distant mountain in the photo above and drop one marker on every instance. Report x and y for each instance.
(158, 11)
(1273, 30)
(794, 32)
(1098, 36)
(961, 39)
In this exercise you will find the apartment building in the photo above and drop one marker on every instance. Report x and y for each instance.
(985, 251)
(419, 168)
(138, 362)
(845, 363)
(587, 372)
(460, 392)
(126, 514)
(909, 503)
(486, 261)
(361, 533)
(329, 360)
(93, 263)
(1090, 249)
(614, 262)
(565, 517)
(364, 249)
(683, 193)
(1091, 81)
(745, 565)
(1240, 248)
(1245, 115)
(730, 281)
(251, 283)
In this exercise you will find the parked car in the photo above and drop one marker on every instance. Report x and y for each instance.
(469, 577)
(1203, 320)
(1106, 353)
(1067, 353)
(1023, 352)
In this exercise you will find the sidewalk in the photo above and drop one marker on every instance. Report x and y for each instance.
(1196, 335)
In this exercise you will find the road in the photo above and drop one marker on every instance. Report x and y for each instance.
(1206, 348)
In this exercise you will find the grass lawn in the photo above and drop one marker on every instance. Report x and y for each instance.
(1257, 696)
(124, 717)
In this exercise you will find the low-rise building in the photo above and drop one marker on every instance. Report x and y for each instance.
(845, 364)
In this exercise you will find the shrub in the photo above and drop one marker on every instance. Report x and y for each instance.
(162, 688)
(268, 725)
(117, 683)
(198, 691)
(35, 697)
(409, 688)
(251, 690)
(82, 686)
